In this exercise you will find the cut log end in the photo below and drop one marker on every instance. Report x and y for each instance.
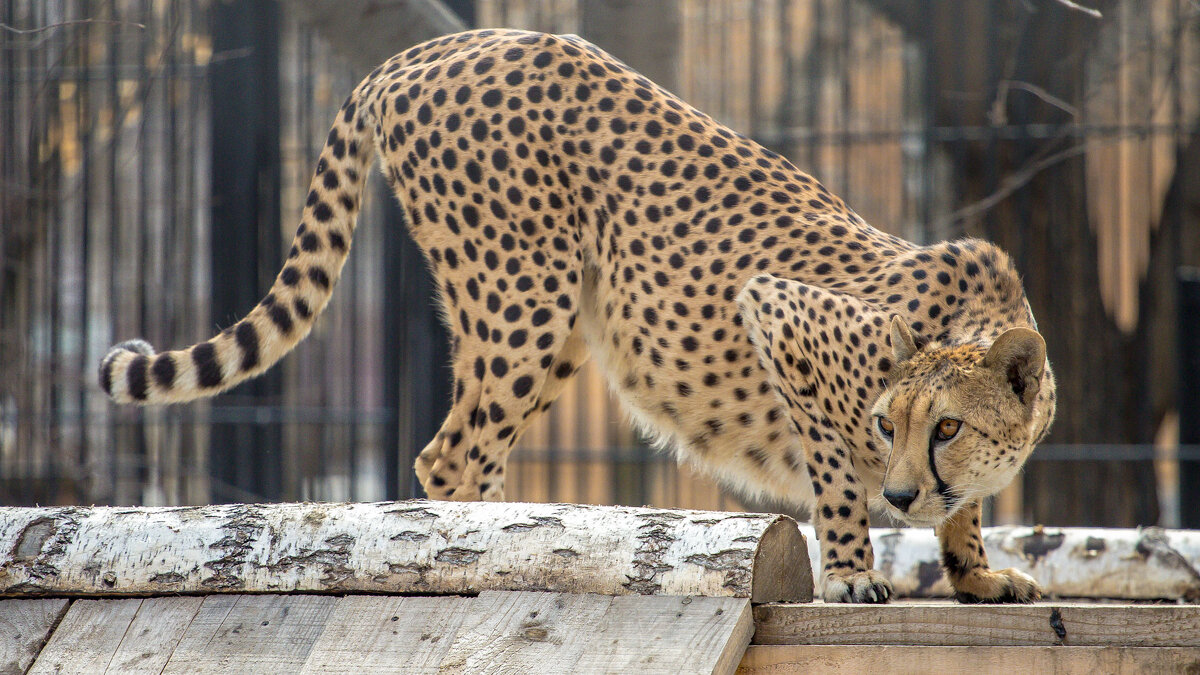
(782, 571)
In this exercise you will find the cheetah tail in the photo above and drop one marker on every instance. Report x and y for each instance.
(132, 372)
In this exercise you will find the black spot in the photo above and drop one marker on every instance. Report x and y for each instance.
(208, 371)
(318, 277)
(495, 413)
(136, 375)
(302, 308)
(164, 370)
(522, 386)
(281, 317)
(247, 339)
(322, 212)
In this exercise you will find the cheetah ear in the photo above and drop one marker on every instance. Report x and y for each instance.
(903, 343)
(1019, 356)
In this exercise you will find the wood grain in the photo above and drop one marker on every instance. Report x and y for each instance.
(252, 634)
(524, 632)
(559, 632)
(380, 634)
(25, 626)
(154, 633)
(669, 634)
(87, 637)
(945, 624)
(903, 660)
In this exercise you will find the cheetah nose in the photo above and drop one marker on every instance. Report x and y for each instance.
(901, 499)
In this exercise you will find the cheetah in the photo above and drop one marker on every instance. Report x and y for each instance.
(745, 316)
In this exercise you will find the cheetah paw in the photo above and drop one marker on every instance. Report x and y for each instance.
(997, 586)
(867, 586)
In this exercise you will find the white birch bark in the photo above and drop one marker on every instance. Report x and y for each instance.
(420, 547)
(1072, 562)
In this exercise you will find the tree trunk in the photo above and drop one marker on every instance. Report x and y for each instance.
(417, 546)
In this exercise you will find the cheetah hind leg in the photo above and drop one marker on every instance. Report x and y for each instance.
(466, 461)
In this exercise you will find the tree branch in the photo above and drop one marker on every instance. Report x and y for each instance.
(63, 24)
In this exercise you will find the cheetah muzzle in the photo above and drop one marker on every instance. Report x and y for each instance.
(746, 317)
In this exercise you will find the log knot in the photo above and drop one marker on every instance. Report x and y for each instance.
(458, 556)
(241, 529)
(39, 548)
(733, 562)
(1056, 623)
(333, 561)
(1037, 544)
(648, 560)
(538, 521)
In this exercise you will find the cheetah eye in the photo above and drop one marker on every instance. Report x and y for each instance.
(947, 429)
(886, 428)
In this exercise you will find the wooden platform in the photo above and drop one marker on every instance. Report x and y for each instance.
(516, 632)
(943, 636)
(511, 632)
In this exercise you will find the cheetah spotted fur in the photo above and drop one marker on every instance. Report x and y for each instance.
(744, 315)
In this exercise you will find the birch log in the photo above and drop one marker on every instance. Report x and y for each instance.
(421, 547)
(1074, 562)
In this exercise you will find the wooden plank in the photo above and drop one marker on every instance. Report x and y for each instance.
(669, 634)
(947, 623)
(253, 634)
(525, 632)
(365, 633)
(518, 632)
(901, 660)
(153, 635)
(87, 637)
(25, 625)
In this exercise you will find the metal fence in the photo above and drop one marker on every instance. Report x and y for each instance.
(139, 138)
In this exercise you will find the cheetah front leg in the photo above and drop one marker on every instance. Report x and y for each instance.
(842, 523)
(780, 317)
(966, 564)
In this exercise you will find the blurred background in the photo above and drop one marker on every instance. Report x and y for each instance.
(154, 155)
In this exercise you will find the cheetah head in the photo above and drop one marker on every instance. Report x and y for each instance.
(959, 421)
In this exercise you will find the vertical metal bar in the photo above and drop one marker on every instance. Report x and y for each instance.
(46, 208)
(1189, 395)
(125, 433)
(846, 103)
(394, 447)
(85, 181)
(170, 241)
(139, 217)
(245, 213)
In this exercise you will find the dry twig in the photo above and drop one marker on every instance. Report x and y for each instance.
(63, 24)
(1080, 8)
